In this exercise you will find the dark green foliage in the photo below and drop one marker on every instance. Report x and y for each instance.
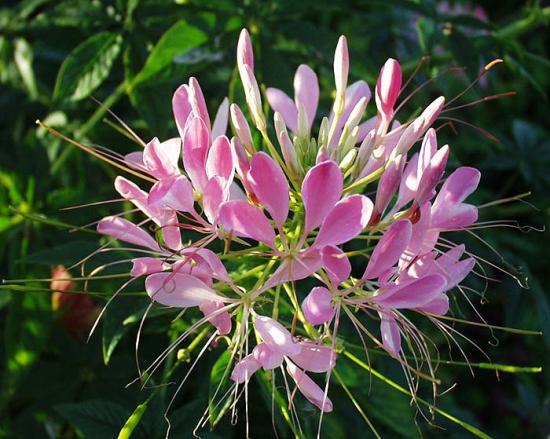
(131, 55)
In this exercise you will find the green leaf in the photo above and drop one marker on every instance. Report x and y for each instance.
(133, 421)
(87, 66)
(95, 419)
(176, 41)
(113, 327)
(27, 329)
(23, 56)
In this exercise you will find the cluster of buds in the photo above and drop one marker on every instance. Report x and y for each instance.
(287, 213)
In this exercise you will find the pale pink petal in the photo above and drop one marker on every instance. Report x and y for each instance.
(326, 179)
(318, 307)
(246, 221)
(309, 388)
(269, 183)
(315, 358)
(432, 175)
(198, 104)
(215, 193)
(389, 249)
(421, 239)
(172, 193)
(341, 64)
(148, 265)
(412, 294)
(245, 52)
(345, 221)
(195, 149)
(268, 358)
(179, 290)
(280, 102)
(124, 230)
(427, 151)
(219, 127)
(161, 159)
(181, 107)
(457, 187)
(220, 319)
(241, 128)
(458, 272)
(336, 263)
(135, 160)
(354, 93)
(242, 164)
(275, 336)
(391, 336)
(219, 162)
(409, 182)
(244, 369)
(306, 91)
(131, 192)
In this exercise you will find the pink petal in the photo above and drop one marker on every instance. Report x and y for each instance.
(432, 175)
(391, 336)
(220, 319)
(457, 187)
(219, 162)
(179, 290)
(455, 217)
(172, 193)
(412, 294)
(216, 266)
(458, 272)
(242, 164)
(341, 64)
(306, 91)
(345, 221)
(148, 265)
(241, 127)
(336, 263)
(161, 159)
(409, 182)
(275, 336)
(318, 307)
(427, 151)
(354, 93)
(281, 103)
(439, 305)
(315, 358)
(420, 242)
(171, 232)
(219, 127)
(268, 358)
(181, 107)
(389, 249)
(131, 192)
(326, 179)
(309, 389)
(215, 193)
(195, 149)
(135, 160)
(269, 183)
(389, 182)
(246, 221)
(245, 52)
(388, 87)
(198, 104)
(244, 369)
(124, 230)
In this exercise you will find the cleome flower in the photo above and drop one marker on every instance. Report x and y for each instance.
(348, 206)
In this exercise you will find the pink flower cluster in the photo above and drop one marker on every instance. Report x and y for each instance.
(297, 206)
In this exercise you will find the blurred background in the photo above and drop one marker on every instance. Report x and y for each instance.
(131, 55)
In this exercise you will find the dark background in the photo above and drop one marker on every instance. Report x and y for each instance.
(54, 55)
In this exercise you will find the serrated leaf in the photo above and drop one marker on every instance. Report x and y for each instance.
(87, 66)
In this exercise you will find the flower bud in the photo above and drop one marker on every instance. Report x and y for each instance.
(341, 69)
(388, 87)
(245, 53)
(241, 128)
